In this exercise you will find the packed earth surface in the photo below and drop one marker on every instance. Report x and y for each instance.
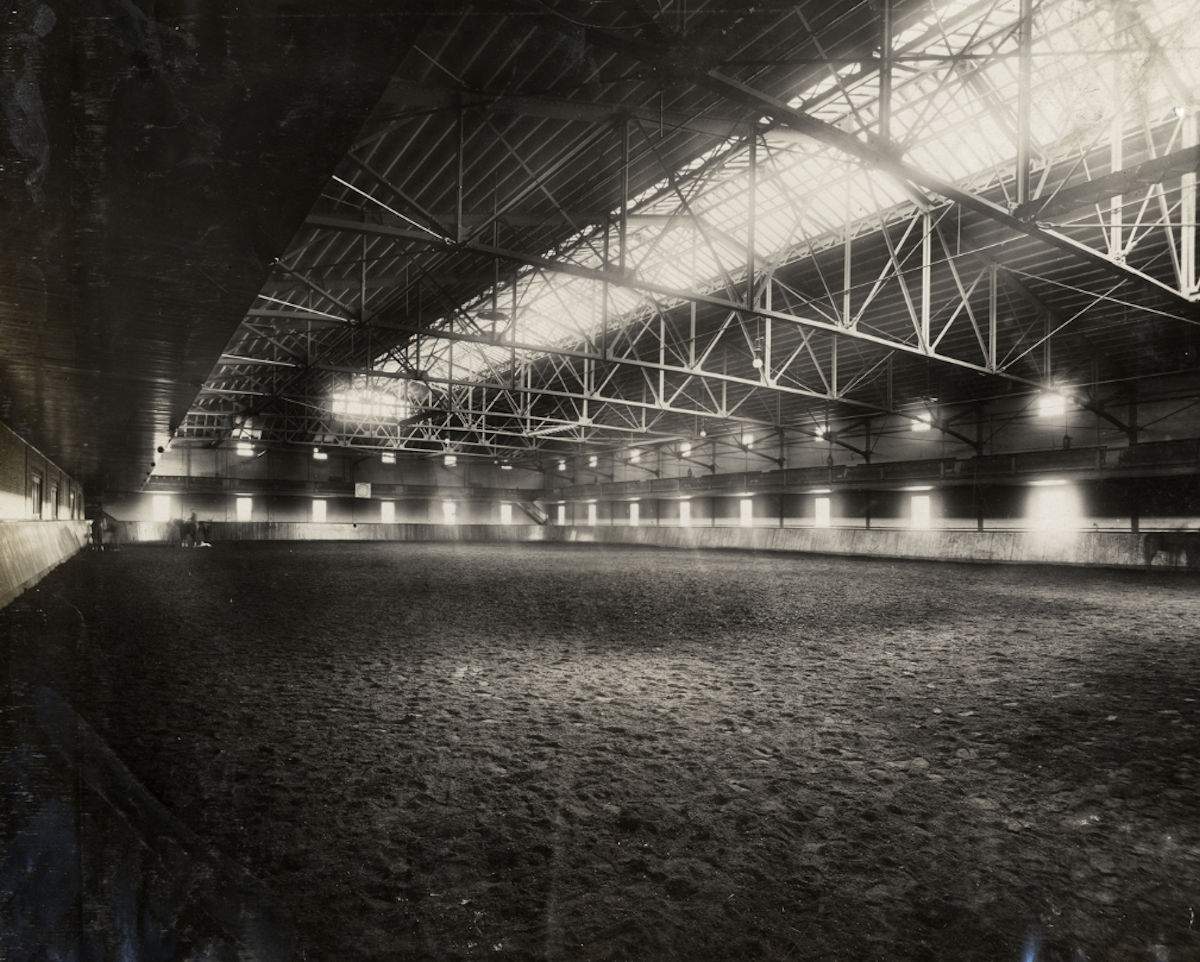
(443, 752)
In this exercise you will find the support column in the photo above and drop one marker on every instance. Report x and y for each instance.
(975, 497)
(992, 318)
(1024, 98)
(751, 217)
(458, 193)
(885, 74)
(1116, 133)
(926, 279)
(624, 222)
(1187, 208)
(1135, 507)
(847, 241)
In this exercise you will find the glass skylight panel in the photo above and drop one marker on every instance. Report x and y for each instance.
(955, 117)
(367, 400)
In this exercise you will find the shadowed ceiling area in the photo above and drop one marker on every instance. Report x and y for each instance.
(527, 231)
(158, 157)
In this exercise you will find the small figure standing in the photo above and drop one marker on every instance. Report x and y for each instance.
(98, 533)
(190, 534)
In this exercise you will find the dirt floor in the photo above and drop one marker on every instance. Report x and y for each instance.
(582, 753)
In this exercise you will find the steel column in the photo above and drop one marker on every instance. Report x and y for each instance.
(1024, 98)
(885, 74)
(1187, 208)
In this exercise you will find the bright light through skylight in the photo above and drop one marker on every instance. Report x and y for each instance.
(950, 116)
(365, 402)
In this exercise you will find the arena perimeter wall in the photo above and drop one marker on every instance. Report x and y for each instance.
(30, 550)
(1095, 548)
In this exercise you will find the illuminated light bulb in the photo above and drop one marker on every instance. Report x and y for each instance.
(757, 362)
(1051, 404)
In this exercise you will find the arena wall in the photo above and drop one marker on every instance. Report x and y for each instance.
(152, 532)
(41, 515)
(1090, 548)
(1098, 548)
(30, 550)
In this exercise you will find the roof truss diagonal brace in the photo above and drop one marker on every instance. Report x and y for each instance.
(881, 158)
(616, 277)
(631, 282)
(875, 157)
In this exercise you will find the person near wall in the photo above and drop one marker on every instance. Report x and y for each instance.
(98, 533)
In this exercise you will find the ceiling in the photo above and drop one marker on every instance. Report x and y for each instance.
(524, 230)
(158, 157)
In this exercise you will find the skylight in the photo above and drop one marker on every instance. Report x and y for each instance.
(369, 402)
(954, 96)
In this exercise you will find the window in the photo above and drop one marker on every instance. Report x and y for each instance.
(318, 510)
(449, 512)
(387, 512)
(634, 514)
(161, 507)
(245, 507)
(685, 513)
(560, 516)
(54, 501)
(920, 512)
(746, 512)
(821, 513)
(35, 496)
(505, 512)
(1054, 507)
(592, 513)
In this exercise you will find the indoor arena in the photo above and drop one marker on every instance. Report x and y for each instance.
(600, 481)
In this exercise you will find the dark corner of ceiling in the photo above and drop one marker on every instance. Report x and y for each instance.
(157, 157)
